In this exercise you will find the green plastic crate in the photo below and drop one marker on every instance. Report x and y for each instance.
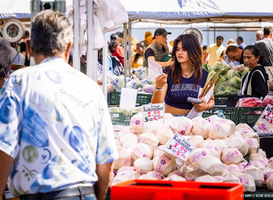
(121, 119)
(142, 98)
(230, 112)
(249, 115)
(227, 100)
(114, 98)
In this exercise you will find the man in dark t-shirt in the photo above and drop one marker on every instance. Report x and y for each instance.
(158, 49)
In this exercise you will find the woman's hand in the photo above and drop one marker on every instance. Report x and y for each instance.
(161, 80)
(201, 106)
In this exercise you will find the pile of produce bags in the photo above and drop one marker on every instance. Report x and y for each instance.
(220, 147)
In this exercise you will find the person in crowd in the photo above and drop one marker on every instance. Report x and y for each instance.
(230, 41)
(116, 49)
(19, 58)
(137, 59)
(214, 51)
(254, 83)
(204, 51)
(145, 41)
(120, 38)
(240, 42)
(266, 45)
(57, 140)
(7, 55)
(222, 56)
(182, 79)
(259, 35)
(234, 54)
(150, 40)
(158, 49)
(23, 49)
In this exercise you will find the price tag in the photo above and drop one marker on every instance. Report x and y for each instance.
(265, 122)
(179, 147)
(153, 112)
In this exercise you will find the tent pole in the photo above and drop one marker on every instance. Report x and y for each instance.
(125, 51)
(105, 67)
(76, 43)
(130, 45)
(91, 69)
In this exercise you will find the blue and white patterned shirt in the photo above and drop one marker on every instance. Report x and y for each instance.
(55, 123)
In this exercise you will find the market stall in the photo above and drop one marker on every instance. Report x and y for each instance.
(242, 118)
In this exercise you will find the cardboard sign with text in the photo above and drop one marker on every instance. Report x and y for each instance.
(265, 122)
(128, 98)
(153, 112)
(179, 147)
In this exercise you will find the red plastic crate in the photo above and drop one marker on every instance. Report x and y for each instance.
(171, 190)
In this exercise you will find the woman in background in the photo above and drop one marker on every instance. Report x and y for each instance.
(137, 59)
(116, 49)
(254, 83)
(183, 79)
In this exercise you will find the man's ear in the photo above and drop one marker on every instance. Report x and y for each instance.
(29, 50)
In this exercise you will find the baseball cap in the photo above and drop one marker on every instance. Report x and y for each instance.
(161, 31)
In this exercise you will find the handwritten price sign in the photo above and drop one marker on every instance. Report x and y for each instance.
(179, 147)
(265, 122)
(153, 116)
(153, 112)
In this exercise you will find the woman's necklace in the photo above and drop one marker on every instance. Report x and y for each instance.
(186, 75)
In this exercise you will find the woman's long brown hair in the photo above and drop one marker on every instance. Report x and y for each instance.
(192, 46)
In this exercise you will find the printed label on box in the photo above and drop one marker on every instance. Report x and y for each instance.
(179, 147)
(265, 122)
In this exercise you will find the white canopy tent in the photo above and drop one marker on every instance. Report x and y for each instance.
(196, 11)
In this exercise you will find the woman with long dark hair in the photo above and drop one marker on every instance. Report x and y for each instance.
(137, 59)
(254, 83)
(183, 79)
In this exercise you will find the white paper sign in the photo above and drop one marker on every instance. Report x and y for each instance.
(179, 147)
(265, 122)
(153, 112)
(128, 98)
(154, 70)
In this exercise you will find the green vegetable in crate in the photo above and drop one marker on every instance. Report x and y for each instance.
(217, 67)
(215, 76)
(232, 73)
(206, 67)
(235, 82)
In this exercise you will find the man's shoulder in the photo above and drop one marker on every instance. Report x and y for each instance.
(152, 45)
(260, 42)
(211, 45)
(222, 47)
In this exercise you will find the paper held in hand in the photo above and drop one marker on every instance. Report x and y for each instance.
(154, 70)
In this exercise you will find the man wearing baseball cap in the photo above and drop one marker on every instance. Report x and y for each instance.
(158, 49)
